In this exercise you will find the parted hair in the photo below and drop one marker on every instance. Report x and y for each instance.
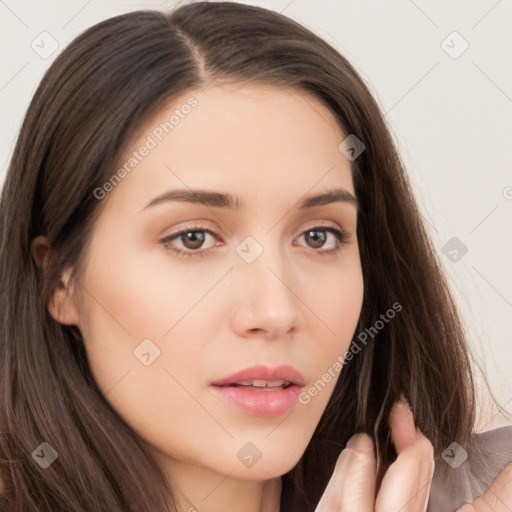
(101, 88)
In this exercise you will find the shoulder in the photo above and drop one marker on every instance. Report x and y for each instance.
(472, 469)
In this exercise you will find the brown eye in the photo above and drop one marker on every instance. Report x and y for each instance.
(191, 241)
(317, 237)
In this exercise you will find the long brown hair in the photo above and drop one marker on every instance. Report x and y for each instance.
(89, 104)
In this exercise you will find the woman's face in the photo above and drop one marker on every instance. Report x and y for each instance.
(250, 287)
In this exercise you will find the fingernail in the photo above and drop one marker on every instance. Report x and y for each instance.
(407, 407)
(405, 403)
(401, 407)
(354, 440)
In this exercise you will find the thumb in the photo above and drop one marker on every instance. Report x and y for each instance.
(352, 485)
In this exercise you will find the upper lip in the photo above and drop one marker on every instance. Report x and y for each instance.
(284, 372)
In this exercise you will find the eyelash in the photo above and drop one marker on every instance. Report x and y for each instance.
(341, 235)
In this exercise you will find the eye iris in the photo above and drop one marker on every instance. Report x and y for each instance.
(191, 236)
(318, 241)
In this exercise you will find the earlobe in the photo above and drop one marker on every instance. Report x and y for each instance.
(62, 305)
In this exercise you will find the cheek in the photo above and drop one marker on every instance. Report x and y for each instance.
(156, 400)
(335, 297)
(338, 306)
(141, 296)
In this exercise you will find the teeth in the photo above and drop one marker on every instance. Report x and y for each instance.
(263, 383)
(271, 383)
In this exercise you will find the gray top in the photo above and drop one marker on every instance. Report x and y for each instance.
(474, 469)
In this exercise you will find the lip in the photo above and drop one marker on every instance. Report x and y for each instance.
(261, 403)
(261, 372)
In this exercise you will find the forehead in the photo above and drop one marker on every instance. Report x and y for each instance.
(252, 141)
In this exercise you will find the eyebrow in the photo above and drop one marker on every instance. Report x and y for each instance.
(225, 200)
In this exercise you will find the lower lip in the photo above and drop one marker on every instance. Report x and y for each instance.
(260, 403)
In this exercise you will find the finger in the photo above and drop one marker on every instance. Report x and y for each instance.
(406, 484)
(358, 492)
(401, 422)
(400, 435)
(497, 498)
(352, 485)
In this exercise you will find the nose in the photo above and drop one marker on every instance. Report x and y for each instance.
(266, 298)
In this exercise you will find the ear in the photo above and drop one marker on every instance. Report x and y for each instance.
(62, 306)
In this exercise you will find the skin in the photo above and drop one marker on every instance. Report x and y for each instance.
(213, 315)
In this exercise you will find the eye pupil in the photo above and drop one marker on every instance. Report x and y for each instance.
(318, 241)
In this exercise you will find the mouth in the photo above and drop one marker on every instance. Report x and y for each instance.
(261, 391)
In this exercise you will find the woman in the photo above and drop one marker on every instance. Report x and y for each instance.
(140, 376)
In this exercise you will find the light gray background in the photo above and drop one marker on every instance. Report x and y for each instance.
(451, 118)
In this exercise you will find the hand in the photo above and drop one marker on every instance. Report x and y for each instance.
(405, 485)
(497, 498)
